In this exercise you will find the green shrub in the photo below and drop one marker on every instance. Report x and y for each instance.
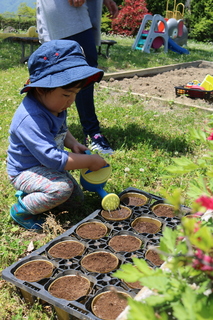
(201, 20)
(23, 23)
(203, 30)
(106, 23)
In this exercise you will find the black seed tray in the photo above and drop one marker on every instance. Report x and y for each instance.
(81, 308)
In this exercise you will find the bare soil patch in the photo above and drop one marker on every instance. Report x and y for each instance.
(163, 85)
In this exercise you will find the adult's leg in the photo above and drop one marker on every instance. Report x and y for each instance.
(85, 98)
(46, 189)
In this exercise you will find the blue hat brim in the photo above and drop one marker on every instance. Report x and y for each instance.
(66, 77)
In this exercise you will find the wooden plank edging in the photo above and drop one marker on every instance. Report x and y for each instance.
(157, 98)
(150, 71)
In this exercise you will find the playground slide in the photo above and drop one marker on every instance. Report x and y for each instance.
(172, 45)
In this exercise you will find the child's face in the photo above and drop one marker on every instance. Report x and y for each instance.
(57, 100)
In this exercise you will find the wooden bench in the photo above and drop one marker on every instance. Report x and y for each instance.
(24, 41)
(32, 41)
(108, 44)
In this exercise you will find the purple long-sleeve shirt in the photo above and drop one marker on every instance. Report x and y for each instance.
(36, 138)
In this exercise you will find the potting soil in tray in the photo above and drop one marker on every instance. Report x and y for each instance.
(108, 305)
(69, 287)
(154, 257)
(125, 243)
(104, 242)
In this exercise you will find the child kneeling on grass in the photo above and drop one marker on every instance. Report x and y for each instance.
(37, 163)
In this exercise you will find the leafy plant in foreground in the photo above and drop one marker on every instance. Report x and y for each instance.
(183, 288)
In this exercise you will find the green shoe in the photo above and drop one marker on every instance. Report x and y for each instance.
(22, 216)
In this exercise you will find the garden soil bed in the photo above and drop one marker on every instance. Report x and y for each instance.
(162, 85)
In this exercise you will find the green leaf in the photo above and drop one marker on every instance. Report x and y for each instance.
(158, 282)
(184, 165)
(140, 311)
(183, 161)
(159, 300)
(201, 163)
(202, 239)
(14, 229)
(128, 273)
(177, 170)
(197, 188)
(198, 134)
(174, 199)
(143, 266)
(168, 241)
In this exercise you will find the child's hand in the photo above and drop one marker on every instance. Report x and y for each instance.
(76, 3)
(78, 148)
(97, 162)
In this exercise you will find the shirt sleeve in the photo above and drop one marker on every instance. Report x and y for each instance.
(36, 136)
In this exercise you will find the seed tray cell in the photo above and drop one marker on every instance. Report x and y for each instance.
(81, 308)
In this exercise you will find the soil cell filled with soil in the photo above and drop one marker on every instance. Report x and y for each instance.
(133, 200)
(154, 257)
(109, 305)
(92, 230)
(134, 285)
(126, 243)
(69, 287)
(120, 214)
(145, 227)
(102, 262)
(162, 210)
(34, 270)
(66, 249)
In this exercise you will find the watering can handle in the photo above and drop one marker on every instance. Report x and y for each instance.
(88, 171)
(87, 151)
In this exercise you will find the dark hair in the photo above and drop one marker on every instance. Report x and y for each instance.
(76, 84)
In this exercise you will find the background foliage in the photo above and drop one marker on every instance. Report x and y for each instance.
(147, 136)
(198, 17)
(130, 16)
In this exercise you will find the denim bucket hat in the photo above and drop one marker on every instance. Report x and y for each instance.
(57, 63)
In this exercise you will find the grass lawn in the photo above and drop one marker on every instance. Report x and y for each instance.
(145, 140)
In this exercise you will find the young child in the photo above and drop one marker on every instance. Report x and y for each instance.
(37, 163)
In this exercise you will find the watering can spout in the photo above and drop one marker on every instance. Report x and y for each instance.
(95, 181)
(102, 193)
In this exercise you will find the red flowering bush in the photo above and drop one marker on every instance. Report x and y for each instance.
(203, 262)
(130, 17)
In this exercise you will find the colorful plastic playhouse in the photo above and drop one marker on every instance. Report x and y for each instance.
(175, 13)
(156, 31)
(151, 38)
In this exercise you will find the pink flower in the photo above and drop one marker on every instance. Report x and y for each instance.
(210, 137)
(203, 262)
(206, 202)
